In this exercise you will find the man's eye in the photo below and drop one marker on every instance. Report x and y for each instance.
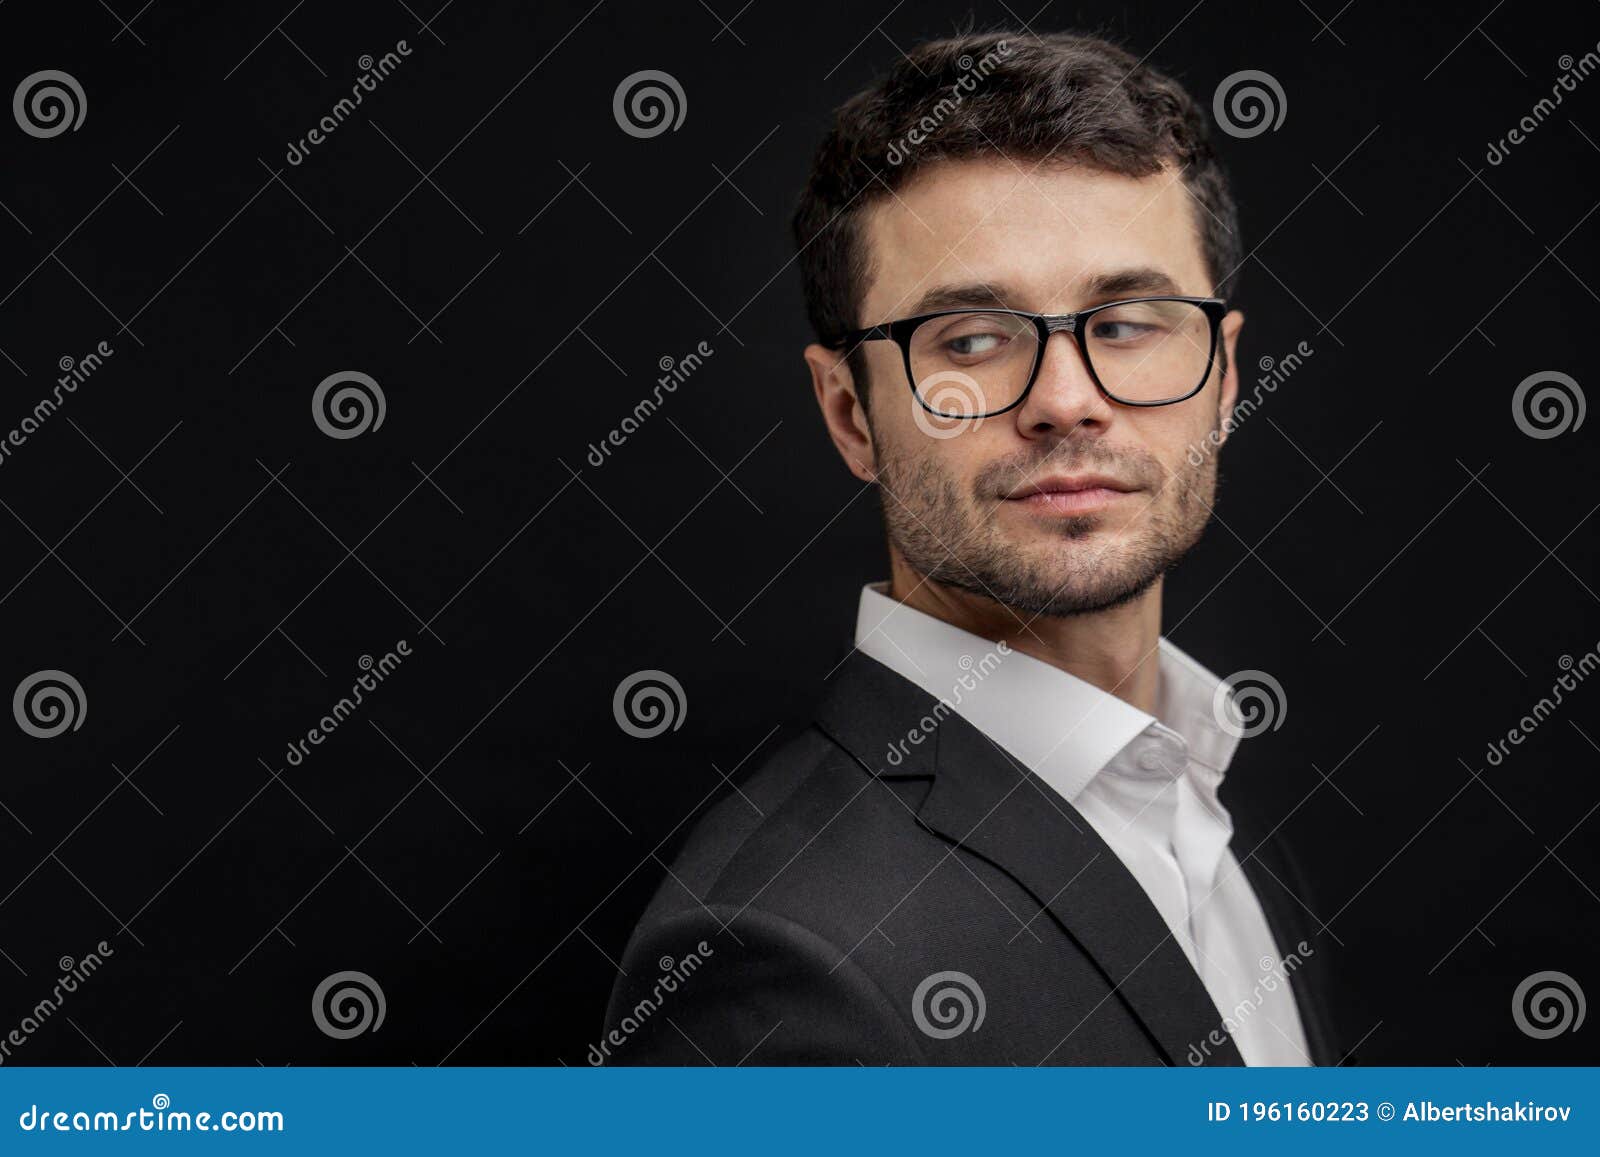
(1122, 331)
(972, 345)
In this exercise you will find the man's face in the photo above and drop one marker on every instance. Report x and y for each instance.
(1070, 502)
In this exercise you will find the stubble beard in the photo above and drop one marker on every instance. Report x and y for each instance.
(952, 535)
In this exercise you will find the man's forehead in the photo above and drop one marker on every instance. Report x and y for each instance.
(1046, 229)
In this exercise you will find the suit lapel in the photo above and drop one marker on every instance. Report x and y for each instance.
(1276, 880)
(983, 801)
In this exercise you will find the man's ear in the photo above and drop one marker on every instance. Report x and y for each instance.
(1232, 323)
(842, 409)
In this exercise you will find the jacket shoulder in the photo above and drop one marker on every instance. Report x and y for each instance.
(810, 836)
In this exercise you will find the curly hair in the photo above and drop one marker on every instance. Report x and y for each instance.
(1077, 98)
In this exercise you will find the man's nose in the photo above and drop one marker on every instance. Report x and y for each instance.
(1064, 396)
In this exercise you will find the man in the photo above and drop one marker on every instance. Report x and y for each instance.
(1002, 841)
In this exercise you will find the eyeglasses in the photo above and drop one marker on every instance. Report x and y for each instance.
(975, 363)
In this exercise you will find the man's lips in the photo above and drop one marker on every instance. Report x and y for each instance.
(1069, 493)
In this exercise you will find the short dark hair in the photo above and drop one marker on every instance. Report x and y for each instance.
(1075, 97)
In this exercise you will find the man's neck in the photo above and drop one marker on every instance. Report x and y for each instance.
(1114, 650)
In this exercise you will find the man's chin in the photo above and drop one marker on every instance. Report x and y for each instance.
(1033, 523)
(1074, 595)
(1051, 586)
(1042, 538)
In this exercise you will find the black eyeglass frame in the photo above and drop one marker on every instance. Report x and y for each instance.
(1045, 324)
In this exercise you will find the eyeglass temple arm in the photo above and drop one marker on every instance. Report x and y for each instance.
(856, 337)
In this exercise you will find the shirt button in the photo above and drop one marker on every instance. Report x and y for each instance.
(1152, 760)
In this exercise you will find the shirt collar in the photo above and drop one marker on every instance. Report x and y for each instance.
(1062, 727)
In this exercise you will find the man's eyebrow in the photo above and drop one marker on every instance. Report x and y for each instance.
(1129, 282)
(1106, 286)
(963, 296)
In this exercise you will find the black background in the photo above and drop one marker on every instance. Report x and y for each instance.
(439, 841)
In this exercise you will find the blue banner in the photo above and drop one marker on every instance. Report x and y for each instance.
(802, 1111)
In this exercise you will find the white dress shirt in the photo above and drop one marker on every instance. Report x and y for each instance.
(1148, 785)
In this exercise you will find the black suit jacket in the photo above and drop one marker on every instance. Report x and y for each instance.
(808, 908)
